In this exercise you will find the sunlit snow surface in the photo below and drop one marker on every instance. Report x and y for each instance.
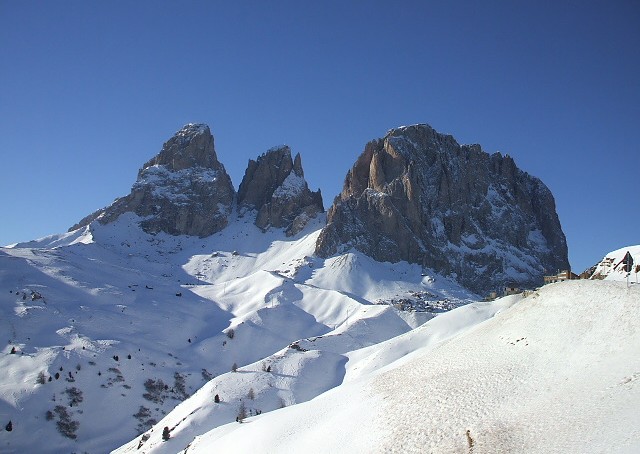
(556, 372)
(108, 308)
(611, 267)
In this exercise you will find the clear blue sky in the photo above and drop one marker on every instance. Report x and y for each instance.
(90, 90)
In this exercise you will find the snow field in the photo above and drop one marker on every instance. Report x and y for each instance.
(556, 372)
(542, 376)
(126, 314)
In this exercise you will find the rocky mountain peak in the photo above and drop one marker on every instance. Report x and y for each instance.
(183, 190)
(417, 195)
(264, 175)
(297, 165)
(274, 186)
(192, 146)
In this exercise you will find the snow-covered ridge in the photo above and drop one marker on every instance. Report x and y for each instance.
(192, 128)
(553, 372)
(83, 235)
(91, 319)
(611, 267)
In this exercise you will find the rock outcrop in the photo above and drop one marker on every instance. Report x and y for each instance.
(417, 195)
(274, 186)
(184, 190)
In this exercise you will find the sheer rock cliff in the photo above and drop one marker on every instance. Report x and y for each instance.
(417, 195)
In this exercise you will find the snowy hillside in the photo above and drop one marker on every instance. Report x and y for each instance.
(612, 268)
(108, 328)
(556, 372)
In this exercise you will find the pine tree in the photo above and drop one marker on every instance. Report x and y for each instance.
(166, 434)
(216, 399)
(242, 412)
(9, 427)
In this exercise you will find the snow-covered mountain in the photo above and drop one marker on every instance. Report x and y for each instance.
(417, 195)
(555, 372)
(183, 190)
(108, 328)
(161, 322)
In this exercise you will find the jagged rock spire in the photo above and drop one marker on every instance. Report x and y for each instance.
(192, 146)
(275, 187)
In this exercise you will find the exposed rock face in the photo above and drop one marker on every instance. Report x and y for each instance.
(275, 186)
(184, 190)
(417, 195)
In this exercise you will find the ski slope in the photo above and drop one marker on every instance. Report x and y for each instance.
(556, 372)
(111, 328)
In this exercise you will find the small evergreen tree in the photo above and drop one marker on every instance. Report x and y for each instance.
(234, 368)
(9, 427)
(251, 395)
(41, 380)
(216, 399)
(242, 412)
(165, 434)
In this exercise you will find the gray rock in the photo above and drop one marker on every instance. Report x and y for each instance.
(417, 195)
(184, 190)
(274, 186)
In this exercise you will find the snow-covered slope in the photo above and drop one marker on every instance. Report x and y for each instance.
(612, 268)
(556, 372)
(109, 328)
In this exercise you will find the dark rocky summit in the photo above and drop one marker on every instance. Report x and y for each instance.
(414, 195)
(417, 195)
(184, 190)
(275, 187)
